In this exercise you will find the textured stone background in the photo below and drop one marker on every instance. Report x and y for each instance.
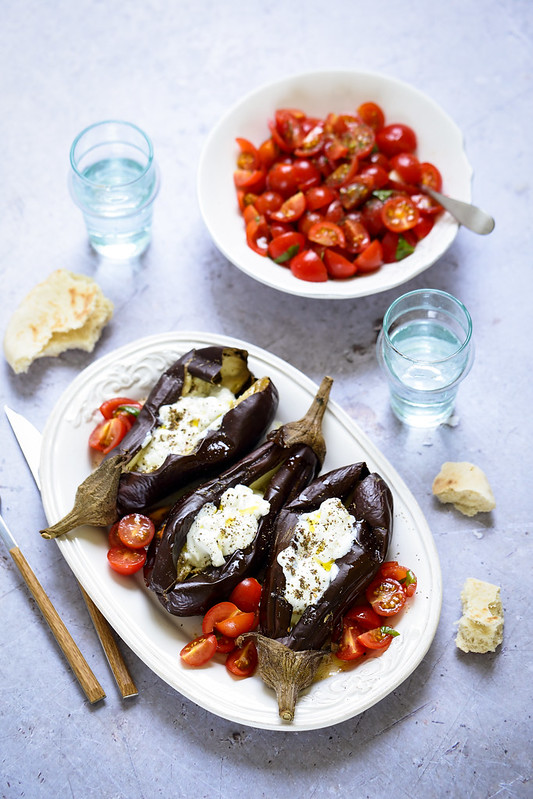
(460, 725)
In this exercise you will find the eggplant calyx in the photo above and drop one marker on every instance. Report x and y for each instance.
(307, 430)
(95, 502)
(285, 671)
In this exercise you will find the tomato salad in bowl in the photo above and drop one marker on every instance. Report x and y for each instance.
(329, 144)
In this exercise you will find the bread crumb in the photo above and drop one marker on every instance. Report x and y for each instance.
(481, 625)
(65, 311)
(465, 486)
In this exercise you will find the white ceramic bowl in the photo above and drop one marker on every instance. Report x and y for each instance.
(439, 141)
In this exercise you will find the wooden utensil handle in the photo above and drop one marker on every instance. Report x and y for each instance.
(120, 671)
(92, 688)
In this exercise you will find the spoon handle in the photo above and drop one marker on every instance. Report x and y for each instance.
(466, 214)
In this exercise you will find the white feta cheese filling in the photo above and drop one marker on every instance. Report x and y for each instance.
(320, 538)
(183, 424)
(219, 531)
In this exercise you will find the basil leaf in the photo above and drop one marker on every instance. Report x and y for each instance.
(128, 409)
(383, 194)
(289, 253)
(389, 631)
(403, 249)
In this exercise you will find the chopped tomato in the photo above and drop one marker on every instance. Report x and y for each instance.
(396, 138)
(319, 196)
(423, 227)
(426, 204)
(404, 576)
(256, 235)
(389, 246)
(379, 638)
(430, 176)
(242, 662)
(218, 612)
(372, 115)
(370, 258)
(354, 193)
(114, 540)
(135, 530)
(249, 179)
(399, 213)
(356, 235)
(247, 594)
(118, 406)
(326, 233)
(291, 210)
(343, 173)
(249, 156)
(307, 265)
(200, 651)
(359, 139)
(237, 624)
(365, 616)
(282, 248)
(109, 433)
(313, 141)
(268, 201)
(407, 166)
(338, 266)
(126, 561)
(350, 647)
(386, 596)
(225, 644)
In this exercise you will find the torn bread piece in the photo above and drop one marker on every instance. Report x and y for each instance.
(481, 625)
(464, 485)
(65, 311)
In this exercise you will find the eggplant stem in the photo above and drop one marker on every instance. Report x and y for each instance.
(284, 670)
(308, 429)
(95, 501)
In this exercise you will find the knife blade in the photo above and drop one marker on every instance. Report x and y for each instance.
(29, 440)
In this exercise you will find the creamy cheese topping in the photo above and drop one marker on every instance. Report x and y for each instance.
(219, 531)
(183, 424)
(308, 563)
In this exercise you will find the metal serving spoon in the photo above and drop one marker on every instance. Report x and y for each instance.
(467, 215)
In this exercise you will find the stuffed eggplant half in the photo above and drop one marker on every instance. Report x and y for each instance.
(205, 411)
(222, 530)
(329, 544)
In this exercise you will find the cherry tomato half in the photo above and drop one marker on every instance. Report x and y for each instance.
(199, 651)
(386, 596)
(291, 210)
(109, 433)
(338, 266)
(135, 530)
(396, 138)
(379, 638)
(404, 576)
(217, 613)
(365, 616)
(247, 594)
(282, 248)
(242, 662)
(307, 265)
(407, 166)
(326, 233)
(126, 561)
(371, 258)
(120, 405)
(399, 213)
(372, 115)
(237, 624)
(350, 647)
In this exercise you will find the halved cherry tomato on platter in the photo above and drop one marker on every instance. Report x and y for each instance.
(237, 624)
(256, 235)
(114, 540)
(126, 561)
(249, 179)
(282, 179)
(118, 406)
(282, 248)
(372, 115)
(225, 644)
(247, 594)
(220, 611)
(356, 235)
(396, 138)
(268, 201)
(109, 433)
(359, 139)
(430, 176)
(378, 638)
(354, 193)
(399, 213)
(404, 576)
(350, 647)
(343, 174)
(248, 157)
(199, 651)
(242, 662)
(386, 596)
(365, 616)
(307, 265)
(319, 196)
(135, 530)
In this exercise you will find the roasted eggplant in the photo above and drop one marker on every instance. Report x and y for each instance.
(292, 633)
(279, 469)
(119, 486)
